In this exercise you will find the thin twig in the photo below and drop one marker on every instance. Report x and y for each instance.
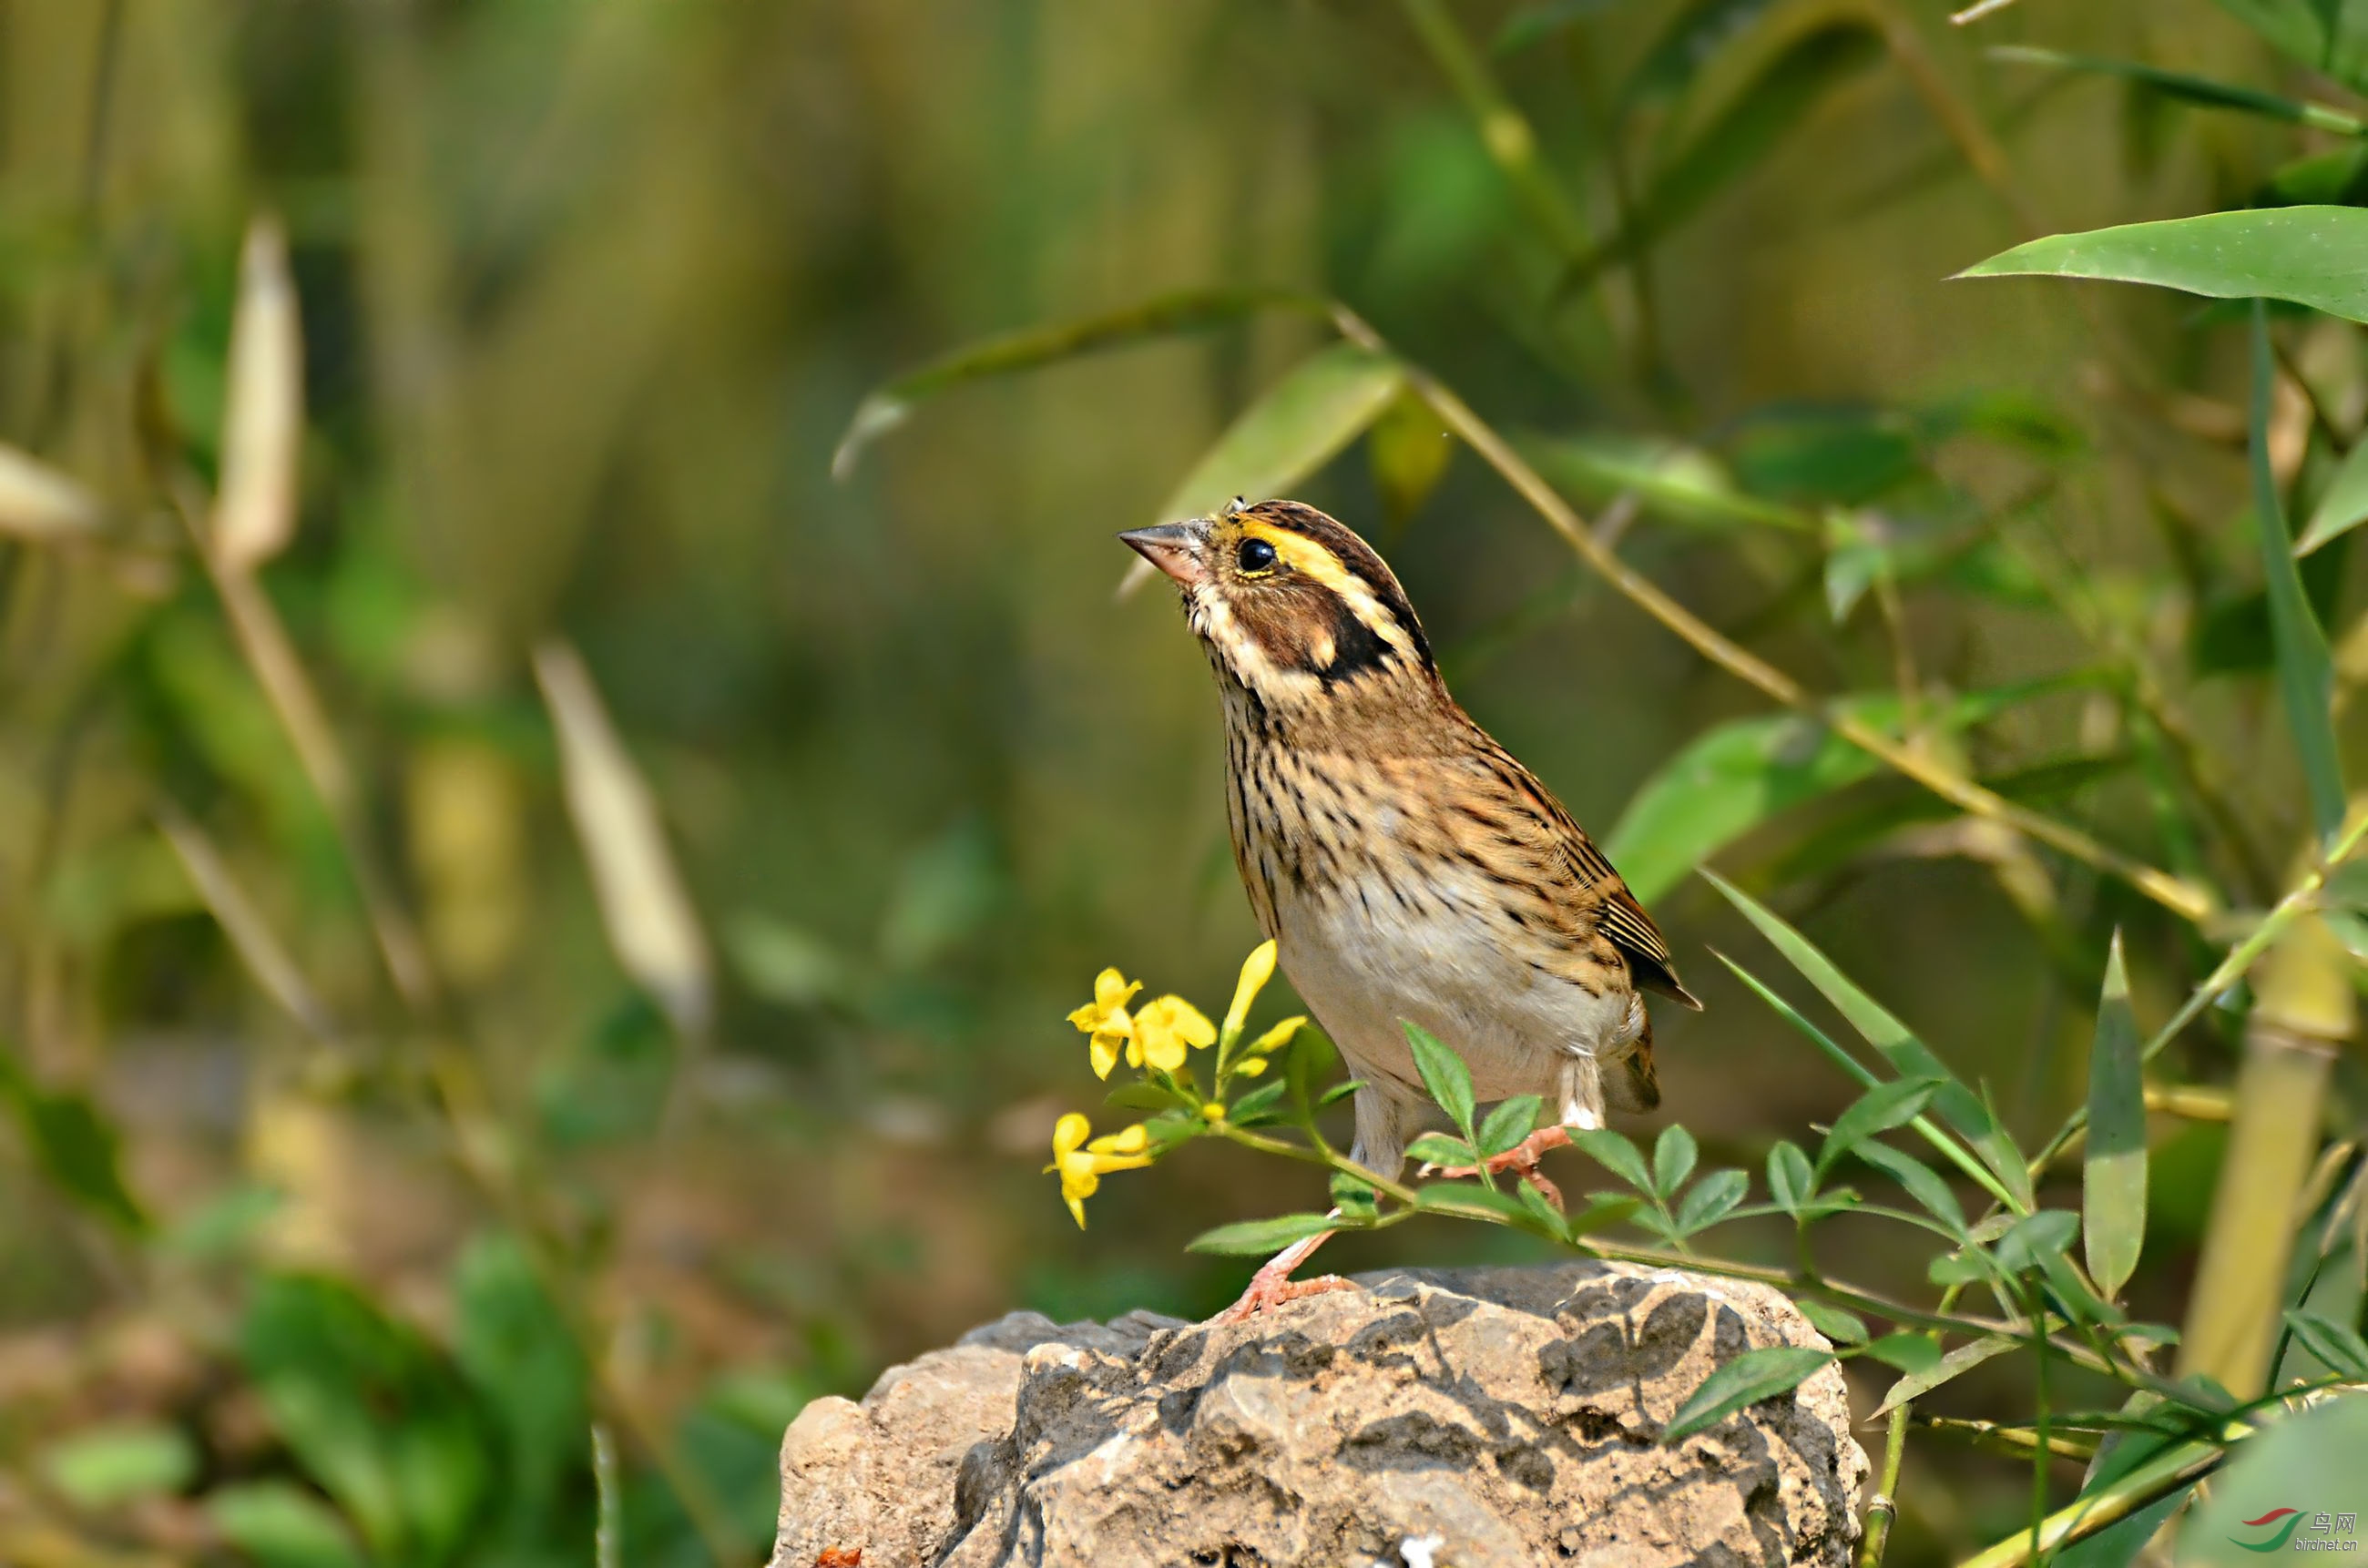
(2175, 893)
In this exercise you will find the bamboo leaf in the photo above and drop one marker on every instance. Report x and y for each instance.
(1746, 129)
(1409, 450)
(1691, 42)
(2306, 671)
(1958, 1106)
(2345, 504)
(2337, 1346)
(1749, 1378)
(1671, 479)
(38, 503)
(2311, 256)
(1295, 427)
(73, 1145)
(1907, 1351)
(1921, 1181)
(1879, 1110)
(2113, 1173)
(647, 914)
(1957, 1362)
(2197, 90)
(263, 416)
(1444, 1074)
(1187, 310)
(2326, 35)
(1254, 1237)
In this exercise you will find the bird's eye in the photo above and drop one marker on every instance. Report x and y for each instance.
(1254, 555)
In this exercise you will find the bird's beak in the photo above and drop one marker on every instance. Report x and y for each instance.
(1175, 548)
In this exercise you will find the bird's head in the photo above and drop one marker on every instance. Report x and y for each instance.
(1290, 604)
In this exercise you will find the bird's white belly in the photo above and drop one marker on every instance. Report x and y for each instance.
(1364, 963)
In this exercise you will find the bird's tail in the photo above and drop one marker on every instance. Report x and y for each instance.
(1631, 1084)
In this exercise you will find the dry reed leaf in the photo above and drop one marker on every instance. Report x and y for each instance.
(249, 935)
(648, 915)
(263, 425)
(37, 502)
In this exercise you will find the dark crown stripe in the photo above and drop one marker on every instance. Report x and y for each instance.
(1357, 558)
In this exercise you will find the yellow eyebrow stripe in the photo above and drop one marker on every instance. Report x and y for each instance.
(1308, 558)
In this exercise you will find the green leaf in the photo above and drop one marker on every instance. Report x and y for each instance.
(1672, 480)
(2330, 35)
(516, 1352)
(2030, 1240)
(1444, 1074)
(2113, 1168)
(2311, 1459)
(1910, 1056)
(1549, 1218)
(1963, 1360)
(2344, 507)
(1840, 1327)
(1710, 1199)
(1907, 1351)
(2197, 90)
(1187, 309)
(1750, 125)
(2308, 255)
(1439, 1149)
(373, 1413)
(106, 1466)
(1790, 1181)
(2337, 1346)
(1409, 450)
(1257, 1237)
(1673, 1160)
(1260, 1104)
(1691, 42)
(2306, 672)
(1921, 1181)
(1320, 406)
(1338, 1092)
(1879, 1110)
(74, 1144)
(1616, 1154)
(1749, 1378)
(281, 1525)
(1603, 1211)
(1509, 1123)
(1356, 1198)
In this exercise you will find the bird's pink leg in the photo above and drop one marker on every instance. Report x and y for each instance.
(1522, 1159)
(1272, 1284)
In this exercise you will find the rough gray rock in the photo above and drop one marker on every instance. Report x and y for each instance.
(1477, 1419)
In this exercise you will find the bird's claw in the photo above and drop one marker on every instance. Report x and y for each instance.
(1267, 1291)
(1521, 1160)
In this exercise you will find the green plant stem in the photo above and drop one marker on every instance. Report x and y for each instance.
(2175, 893)
(2118, 1500)
(1884, 1506)
(1512, 142)
(2020, 1441)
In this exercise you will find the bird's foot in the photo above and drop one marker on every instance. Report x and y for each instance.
(1520, 1160)
(1270, 1289)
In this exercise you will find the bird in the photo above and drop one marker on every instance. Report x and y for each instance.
(1408, 869)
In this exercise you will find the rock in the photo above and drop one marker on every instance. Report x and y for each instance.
(1472, 1418)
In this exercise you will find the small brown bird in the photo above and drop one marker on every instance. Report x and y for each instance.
(1407, 868)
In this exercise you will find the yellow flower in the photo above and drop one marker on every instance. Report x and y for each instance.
(1105, 1020)
(1257, 970)
(1083, 1163)
(1254, 1055)
(1163, 1030)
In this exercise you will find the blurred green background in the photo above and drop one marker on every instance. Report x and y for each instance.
(589, 290)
